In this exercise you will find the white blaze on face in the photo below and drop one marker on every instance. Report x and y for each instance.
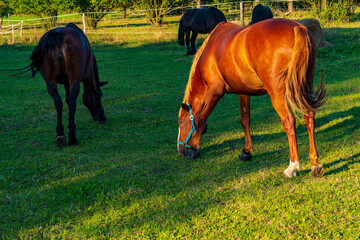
(291, 170)
(178, 140)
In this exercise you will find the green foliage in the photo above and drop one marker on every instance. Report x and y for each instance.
(155, 10)
(97, 9)
(4, 8)
(43, 8)
(335, 10)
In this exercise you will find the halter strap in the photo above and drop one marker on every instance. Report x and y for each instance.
(193, 129)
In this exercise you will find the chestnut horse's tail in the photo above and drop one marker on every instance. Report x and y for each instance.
(181, 33)
(300, 92)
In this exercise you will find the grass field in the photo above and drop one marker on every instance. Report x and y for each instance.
(126, 181)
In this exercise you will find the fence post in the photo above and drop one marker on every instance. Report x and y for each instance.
(291, 5)
(13, 34)
(84, 24)
(22, 22)
(242, 13)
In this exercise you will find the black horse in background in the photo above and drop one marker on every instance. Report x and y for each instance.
(198, 20)
(260, 13)
(64, 56)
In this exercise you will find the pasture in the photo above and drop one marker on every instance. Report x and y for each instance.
(126, 181)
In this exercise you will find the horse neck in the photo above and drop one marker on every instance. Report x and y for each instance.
(195, 91)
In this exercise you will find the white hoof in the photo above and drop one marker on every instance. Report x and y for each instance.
(291, 170)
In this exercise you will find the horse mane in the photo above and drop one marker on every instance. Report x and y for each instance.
(188, 88)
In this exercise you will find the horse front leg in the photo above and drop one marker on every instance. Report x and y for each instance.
(244, 101)
(60, 137)
(74, 92)
(316, 168)
(193, 39)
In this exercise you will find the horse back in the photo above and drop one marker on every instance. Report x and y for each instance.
(249, 59)
(63, 54)
(204, 20)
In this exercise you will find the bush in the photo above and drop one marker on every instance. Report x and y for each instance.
(340, 10)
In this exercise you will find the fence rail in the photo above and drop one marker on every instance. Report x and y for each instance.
(239, 12)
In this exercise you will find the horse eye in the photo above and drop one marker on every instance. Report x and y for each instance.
(181, 121)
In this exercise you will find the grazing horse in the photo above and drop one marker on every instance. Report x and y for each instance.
(275, 56)
(64, 56)
(260, 13)
(199, 20)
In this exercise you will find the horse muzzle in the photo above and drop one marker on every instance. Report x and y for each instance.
(188, 152)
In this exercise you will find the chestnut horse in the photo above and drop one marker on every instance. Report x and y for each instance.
(64, 56)
(274, 56)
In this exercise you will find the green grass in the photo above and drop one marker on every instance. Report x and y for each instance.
(126, 181)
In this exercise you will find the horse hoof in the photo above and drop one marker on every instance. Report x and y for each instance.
(193, 153)
(104, 121)
(317, 171)
(60, 141)
(244, 156)
(291, 175)
(73, 142)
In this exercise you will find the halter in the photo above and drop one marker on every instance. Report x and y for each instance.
(193, 129)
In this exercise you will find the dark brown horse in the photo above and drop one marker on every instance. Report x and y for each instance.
(64, 56)
(261, 13)
(195, 21)
(275, 56)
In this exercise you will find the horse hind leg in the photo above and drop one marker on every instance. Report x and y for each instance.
(60, 137)
(187, 41)
(288, 122)
(244, 101)
(316, 168)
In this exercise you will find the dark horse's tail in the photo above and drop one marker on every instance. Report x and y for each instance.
(181, 33)
(51, 41)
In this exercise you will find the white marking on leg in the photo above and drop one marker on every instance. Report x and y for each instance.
(291, 170)
(244, 110)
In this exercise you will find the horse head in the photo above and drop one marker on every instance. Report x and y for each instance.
(188, 143)
(93, 105)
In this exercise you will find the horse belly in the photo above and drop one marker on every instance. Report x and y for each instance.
(246, 83)
(238, 76)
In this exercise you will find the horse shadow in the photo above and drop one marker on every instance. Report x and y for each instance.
(347, 125)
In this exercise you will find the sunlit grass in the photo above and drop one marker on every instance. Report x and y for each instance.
(125, 179)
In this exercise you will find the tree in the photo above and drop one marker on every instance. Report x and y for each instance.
(97, 9)
(4, 10)
(43, 8)
(200, 3)
(124, 4)
(155, 10)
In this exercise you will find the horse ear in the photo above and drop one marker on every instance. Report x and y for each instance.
(102, 84)
(185, 107)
